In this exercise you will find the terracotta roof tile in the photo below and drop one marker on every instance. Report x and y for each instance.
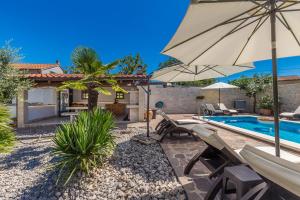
(30, 66)
(65, 77)
(289, 78)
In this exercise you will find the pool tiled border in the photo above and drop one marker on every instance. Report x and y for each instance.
(270, 139)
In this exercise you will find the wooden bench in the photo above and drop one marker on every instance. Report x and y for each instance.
(72, 115)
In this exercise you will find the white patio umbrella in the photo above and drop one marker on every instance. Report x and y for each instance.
(181, 72)
(219, 86)
(231, 32)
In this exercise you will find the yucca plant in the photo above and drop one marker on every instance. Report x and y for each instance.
(7, 136)
(85, 143)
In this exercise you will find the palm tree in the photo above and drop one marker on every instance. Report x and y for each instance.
(86, 62)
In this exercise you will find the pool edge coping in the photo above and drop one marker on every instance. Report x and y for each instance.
(266, 138)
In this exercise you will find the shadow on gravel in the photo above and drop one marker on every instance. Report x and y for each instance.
(36, 131)
(45, 187)
(29, 156)
(148, 162)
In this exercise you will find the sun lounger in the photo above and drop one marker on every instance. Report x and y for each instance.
(291, 115)
(169, 126)
(282, 177)
(225, 109)
(212, 111)
(217, 154)
(167, 120)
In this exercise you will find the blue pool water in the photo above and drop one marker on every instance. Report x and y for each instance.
(288, 130)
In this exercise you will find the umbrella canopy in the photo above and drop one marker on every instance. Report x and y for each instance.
(233, 32)
(230, 32)
(181, 72)
(219, 86)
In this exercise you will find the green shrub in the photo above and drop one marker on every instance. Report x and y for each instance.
(7, 136)
(84, 143)
(266, 102)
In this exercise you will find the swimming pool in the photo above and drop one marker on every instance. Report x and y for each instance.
(289, 131)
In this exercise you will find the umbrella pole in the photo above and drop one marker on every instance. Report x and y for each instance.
(148, 106)
(219, 96)
(275, 84)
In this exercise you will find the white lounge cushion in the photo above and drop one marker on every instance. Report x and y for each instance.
(278, 170)
(297, 111)
(187, 121)
(213, 139)
(224, 108)
(232, 111)
(287, 114)
(283, 154)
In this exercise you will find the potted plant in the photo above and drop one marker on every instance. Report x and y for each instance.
(265, 105)
(200, 97)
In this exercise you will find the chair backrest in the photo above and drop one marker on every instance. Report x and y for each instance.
(210, 107)
(213, 139)
(284, 173)
(297, 111)
(222, 106)
(166, 117)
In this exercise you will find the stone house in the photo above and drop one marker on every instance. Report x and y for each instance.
(45, 101)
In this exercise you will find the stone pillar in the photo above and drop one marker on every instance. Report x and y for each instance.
(22, 108)
(141, 103)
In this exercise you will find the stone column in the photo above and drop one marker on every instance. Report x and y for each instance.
(22, 108)
(141, 103)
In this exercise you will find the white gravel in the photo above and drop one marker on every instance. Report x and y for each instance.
(136, 171)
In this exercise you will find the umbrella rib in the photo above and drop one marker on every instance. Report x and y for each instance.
(260, 5)
(179, 66)
(206, 68)
(217, 71)
(256, 28)
(290, 10)
(289, 1)
(182, 66)
(224, 1)
(289, 28)
(169, 80)
(281, 7)
(235, 29)
(212, 68)
(177, 70)
(203, 70)
(212, 28)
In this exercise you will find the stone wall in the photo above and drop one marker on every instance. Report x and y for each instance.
(228, 96)
(289, 96)
(182, 100)
(178, 100)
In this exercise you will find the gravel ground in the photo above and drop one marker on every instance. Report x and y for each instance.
(136, 171)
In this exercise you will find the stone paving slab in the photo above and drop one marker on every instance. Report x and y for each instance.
(181, 149)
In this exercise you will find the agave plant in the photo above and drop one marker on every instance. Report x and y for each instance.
(7, 137)
(84, 143)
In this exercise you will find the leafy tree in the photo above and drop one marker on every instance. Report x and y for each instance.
(200, 83)
(132, 65)
(7, 136)
(169, 62)
(86, 62)
(173, 61)
(11, 80)
(253, 85)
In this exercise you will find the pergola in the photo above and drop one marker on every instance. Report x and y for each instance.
(134, 103)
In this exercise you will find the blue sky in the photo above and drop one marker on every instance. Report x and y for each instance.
(48, 30)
